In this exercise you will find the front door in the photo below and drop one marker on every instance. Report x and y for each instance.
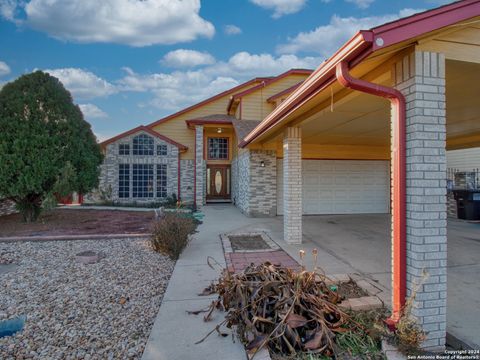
(218, 182)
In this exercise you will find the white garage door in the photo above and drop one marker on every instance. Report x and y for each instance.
(341, 186)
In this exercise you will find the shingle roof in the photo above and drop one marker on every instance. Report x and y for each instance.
(243, 127)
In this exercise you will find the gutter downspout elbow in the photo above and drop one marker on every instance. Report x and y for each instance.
(398, 102)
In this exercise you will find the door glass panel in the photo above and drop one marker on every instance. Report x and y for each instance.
(218, 182)
(228, 181)
(208, 181)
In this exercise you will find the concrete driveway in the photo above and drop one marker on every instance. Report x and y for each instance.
(362, 243)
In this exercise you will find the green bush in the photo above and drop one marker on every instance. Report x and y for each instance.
(171, 232)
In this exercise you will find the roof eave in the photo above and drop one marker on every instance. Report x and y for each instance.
(358, 45)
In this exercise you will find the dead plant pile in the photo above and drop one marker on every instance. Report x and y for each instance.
(285, 310)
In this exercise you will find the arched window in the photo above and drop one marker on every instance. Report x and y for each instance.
(142, 145)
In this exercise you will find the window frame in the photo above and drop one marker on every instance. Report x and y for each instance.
(124, 149)
(162, 146)
(124, 172)
(142, 174)
(161, 181)
(143, 145)
(227, 139)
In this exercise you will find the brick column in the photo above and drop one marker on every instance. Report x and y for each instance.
(199, 167)
(292, 185)
(420, 76)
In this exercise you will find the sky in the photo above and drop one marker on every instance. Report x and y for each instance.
(131, 62)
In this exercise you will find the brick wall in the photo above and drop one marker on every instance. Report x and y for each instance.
(7, 207)
(263, 183)
(292, 185)
(451, 205)
(420, 76)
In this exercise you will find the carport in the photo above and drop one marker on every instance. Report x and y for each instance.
(402, 94)
(359, 242)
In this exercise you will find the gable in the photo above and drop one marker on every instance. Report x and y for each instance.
(174, 126)
(254, 106)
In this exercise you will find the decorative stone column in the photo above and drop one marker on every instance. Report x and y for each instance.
(199, 167)
(292, 185)
(420, 76)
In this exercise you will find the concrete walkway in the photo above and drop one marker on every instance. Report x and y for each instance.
(175, 332)
(345, 244)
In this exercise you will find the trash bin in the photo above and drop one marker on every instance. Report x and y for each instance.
(468, 204)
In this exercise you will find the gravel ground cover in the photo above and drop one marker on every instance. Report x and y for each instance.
(81, 311)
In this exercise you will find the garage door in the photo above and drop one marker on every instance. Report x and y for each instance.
(341, 187)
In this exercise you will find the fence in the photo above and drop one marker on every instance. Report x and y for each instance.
(463, 179)
(460, 180)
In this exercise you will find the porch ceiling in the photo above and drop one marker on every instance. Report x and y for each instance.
(462, 92)
(360, 119)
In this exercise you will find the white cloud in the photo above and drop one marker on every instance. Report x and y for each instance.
(91, 111)
(362, 4)
(244, 64)
(326, 39)
(83, 84)
(8, 8)
(232, 30)
(131, 22)
(172, 91)
(178, 89)
(281, 7)
(187, 58)
(4, 69)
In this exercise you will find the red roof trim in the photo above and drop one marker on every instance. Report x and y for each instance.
(321, 77)
(283, 92)
(206, 101)
(148, 130)
(362, 45)
(424, 22)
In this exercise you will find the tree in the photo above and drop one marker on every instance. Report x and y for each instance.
(43, 138)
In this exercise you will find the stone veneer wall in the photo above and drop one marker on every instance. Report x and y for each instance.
(7, 207)
(186, 180)
(201, 167)
(240, 180)
(109, 170)
(254, 188)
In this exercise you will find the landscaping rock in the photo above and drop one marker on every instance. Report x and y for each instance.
(74, 311)
(88, 257)
(361, 303)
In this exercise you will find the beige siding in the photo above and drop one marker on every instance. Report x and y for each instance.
(465, 159)
(255, 106)
(177, 129)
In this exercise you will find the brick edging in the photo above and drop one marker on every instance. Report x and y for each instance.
(72, 237)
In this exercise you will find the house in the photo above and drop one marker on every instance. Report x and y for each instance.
(366, 132)
(194, 153)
